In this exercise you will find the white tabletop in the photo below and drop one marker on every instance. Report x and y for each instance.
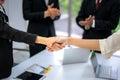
(79, 71)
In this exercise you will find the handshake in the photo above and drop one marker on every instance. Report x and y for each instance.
(52, 43)
(56, 43)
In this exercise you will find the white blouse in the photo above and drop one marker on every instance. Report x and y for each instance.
(110, 45)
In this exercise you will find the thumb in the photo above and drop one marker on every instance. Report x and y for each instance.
(51, 5)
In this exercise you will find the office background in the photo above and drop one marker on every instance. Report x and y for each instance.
(66, 26)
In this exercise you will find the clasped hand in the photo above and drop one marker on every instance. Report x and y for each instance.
(53, 12)
(87, 22)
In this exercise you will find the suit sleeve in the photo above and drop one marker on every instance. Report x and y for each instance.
(7, 32)
(81, 15)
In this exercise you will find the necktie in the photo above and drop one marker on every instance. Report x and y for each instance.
(97, 3)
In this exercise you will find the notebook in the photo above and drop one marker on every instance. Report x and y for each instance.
(75, 55)
(103, 71)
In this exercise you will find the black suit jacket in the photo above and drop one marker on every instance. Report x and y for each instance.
(7, 35)
(106, 18)
(33, 10)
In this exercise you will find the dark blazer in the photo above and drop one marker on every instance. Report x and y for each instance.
(7, 35)
(33, 10)
(106, 18)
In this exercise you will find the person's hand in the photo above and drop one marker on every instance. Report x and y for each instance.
(56, 46)
(59, 44)
(53, 11)
(87, 22)
(52, 43)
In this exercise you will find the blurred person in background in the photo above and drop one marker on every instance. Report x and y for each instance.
(41, 15)
(98, 18)
(9, 34)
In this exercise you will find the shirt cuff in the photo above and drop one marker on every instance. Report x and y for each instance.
(87, 28)
(93, 25)
(104, 51)
(44, 15)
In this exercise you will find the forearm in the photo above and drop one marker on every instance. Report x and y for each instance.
(41, 40)
(84, 43)
(7, 32)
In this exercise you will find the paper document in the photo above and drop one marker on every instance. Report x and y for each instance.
(35, 68)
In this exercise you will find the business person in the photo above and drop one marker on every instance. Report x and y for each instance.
(98, 19)
(41, 15)
(9, 34)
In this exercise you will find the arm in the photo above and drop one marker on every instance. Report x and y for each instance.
(7, 32)
(10, 33)
(84, 43)
(107, 46)
(110, 45)
(81, 14)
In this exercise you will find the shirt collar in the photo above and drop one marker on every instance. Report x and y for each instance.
(99, 0)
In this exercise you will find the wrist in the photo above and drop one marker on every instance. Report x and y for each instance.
(41, 40)
(47, 14)
(67, 40)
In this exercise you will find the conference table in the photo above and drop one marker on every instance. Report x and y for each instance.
(78, 71)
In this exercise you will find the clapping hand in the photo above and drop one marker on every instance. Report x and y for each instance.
(53, 11)
(87, 22)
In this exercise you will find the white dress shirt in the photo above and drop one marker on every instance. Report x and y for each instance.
(99, 1)
(110, 45)
(1, 9)
(46, 1)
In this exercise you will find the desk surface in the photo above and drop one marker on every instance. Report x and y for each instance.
(80, 71)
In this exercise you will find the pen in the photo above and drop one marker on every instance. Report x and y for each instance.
(43, 67)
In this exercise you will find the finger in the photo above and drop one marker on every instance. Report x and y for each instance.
(58, 12)
(64, 44)
(82, 23)
(89, 18)
(57, 47)
(51, 5)
(49, 49)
